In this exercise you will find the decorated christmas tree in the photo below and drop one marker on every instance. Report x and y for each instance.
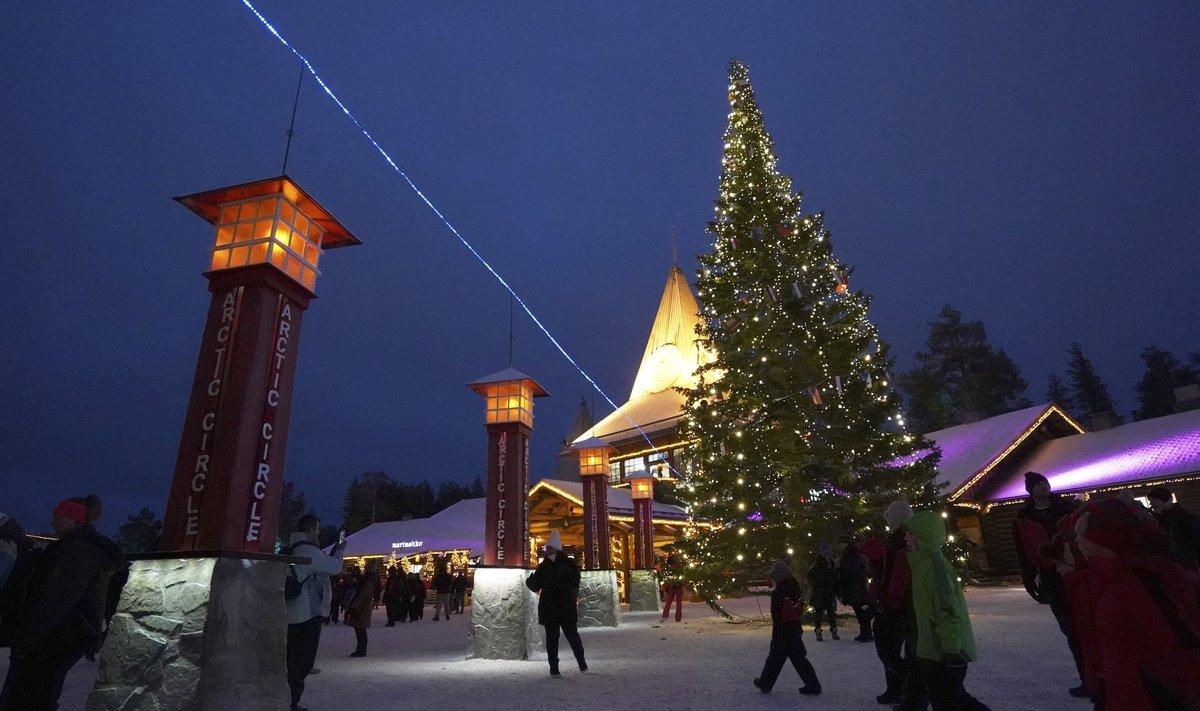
(798, 436)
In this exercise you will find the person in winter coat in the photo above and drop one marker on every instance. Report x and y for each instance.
(443, 584)
(15, 560)
(945, 642)
(852, 586)
(787, 606)
(396, 582)
(1036, 524)
(458, 593)
(305, 612)
(62, 613)
(362, 605)
(416, 597)
(888, 595)
(673, 585)
(556, 581)
(1145, 611)
(823, 579)
(1181, 526)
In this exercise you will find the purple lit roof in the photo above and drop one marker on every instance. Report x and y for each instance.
(1140, 451)
(968, 449)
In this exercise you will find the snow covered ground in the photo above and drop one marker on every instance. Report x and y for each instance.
(702, 663)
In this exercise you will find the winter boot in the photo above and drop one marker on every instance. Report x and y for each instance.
(811, 690)
(554, 674)
(817, 631)
(833, 633)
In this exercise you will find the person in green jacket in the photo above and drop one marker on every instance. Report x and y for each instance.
(945, 643)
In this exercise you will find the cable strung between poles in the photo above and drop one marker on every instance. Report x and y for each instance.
(367, 134)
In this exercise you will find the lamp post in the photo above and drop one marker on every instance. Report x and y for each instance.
(641, 488)
(508, 416)
(503, 610)
(593, 470)
(217, 579)
(269, 238)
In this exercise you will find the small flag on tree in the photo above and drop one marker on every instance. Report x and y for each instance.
(843, 284)
(815, 393)
(773, 295)
(784, 230)
(837, 383)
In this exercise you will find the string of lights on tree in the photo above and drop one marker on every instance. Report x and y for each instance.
(798, 436)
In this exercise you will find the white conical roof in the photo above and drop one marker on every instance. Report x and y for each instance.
(673, 351)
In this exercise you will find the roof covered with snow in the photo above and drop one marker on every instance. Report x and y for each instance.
(458, 527)
(1147, 450)
(620, 501)
(973, 448)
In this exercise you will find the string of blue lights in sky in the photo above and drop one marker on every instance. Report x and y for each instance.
(387, 157)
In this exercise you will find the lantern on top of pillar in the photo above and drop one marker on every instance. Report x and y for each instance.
(641, 489)
(270, 236)
(508, 417)
(593, 470)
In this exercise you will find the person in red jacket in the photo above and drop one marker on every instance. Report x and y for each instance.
(1035, 525)
(1144, 610)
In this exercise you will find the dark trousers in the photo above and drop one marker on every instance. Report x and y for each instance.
(944, 684)
(572, 634)
(1055, 596)
(829, 610)
(414, 609)
(786, 644)
(303, 638)
(360, 640)
(862, 614)
(889, 629)
(396, 610)
(35, 681)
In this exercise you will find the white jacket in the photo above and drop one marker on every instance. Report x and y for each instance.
(313, 600)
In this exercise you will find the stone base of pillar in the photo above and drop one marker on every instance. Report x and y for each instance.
(643, 591)
(197, 634)
(504, 616)
(599, 601)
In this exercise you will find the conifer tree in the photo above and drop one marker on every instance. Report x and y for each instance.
(797, 433)
(1088, 391)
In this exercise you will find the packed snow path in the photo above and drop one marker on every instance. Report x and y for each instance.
(702, 663)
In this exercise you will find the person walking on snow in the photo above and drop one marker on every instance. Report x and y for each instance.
(823, 578)
(306, 611)
(556, 581)
(443, 584)
(672, 587)
(787, 610)
(362, 605)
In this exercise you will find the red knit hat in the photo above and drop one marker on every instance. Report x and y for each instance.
(74, 510)
(1116, 525)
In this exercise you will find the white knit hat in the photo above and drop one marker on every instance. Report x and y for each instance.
(897, 514)
(554, 541)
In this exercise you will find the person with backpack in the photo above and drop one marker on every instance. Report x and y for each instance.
(787, 610)
(307, 592)
(1144, 611)
(61, 617)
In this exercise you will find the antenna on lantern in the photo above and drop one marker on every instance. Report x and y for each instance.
(292, 126)
(510, 330)
(674, 247)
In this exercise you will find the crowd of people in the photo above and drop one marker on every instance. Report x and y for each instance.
(1121, 580)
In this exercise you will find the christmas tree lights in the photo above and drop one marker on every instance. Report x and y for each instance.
(798, 438)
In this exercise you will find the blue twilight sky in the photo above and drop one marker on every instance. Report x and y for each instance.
(1037, 165)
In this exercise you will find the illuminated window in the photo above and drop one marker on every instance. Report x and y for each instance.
(509, 402)
(270, 230)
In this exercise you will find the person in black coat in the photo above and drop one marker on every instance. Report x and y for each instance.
(62, 616)
(556, 581)
(787, 605)
(852, 587)
(823, 578)
(1035, 525)
(1183, 527)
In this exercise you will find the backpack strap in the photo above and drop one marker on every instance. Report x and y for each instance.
(1182, 627)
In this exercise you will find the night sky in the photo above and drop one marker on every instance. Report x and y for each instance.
(1037, 165)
